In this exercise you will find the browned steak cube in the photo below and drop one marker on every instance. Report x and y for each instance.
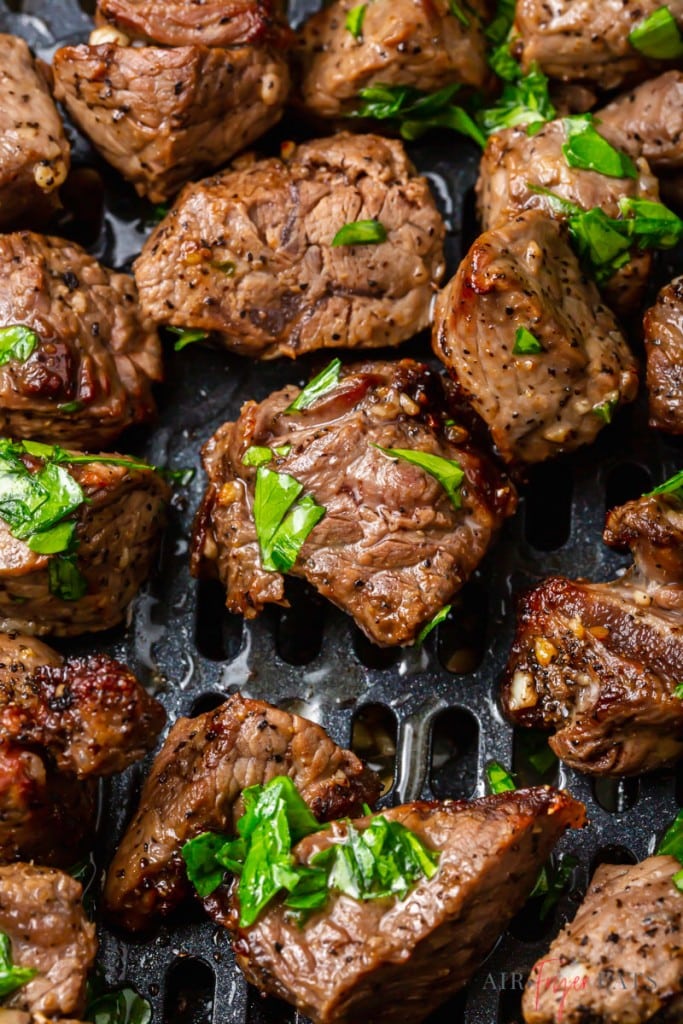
(650, 117)
(664, 348)
(184, 22)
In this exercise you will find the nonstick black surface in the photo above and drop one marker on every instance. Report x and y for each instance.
(435, 707)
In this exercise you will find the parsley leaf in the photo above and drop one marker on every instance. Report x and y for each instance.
(526, 343)
(354, 20)
(499, 779)
(586, 149)
(658, 36)
(440, 617)
(11, 977)
(672, 841)
(17, 342)
(552, 880)
(457, 12)
(605, 411)
(323, 382)
(678, 691)
(416, 111)
(674, 485)
(124, 1006)
(257, 455)
(360, 232)
(65, 578)
(186, 336)
(525, 101)
(448, 472)
(283, 522)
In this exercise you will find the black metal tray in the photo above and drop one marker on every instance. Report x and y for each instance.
(436, 707)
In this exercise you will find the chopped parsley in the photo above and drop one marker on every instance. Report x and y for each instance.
(325, 381)
(440, 617)
(526, 343)
(586, 149)
(658, 36)
(523, 102)
(17, 343)
(674, 485)
(415, 111)
(186, 336)
(447, 472)
(672, 846)
(283, 518)
(360, 232)
(499, 779)
(354, 20)
(11, 976)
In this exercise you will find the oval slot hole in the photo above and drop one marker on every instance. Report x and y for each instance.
(299, 631)
(373, 738)
(616, 795)
(533, 762)
(612, 854)
(218, 634)
(207, 702)
(371, 655)
(268, 1011)
(189, 992)
(626, 482)
(454, 754)
(462, 636)
(548, 508)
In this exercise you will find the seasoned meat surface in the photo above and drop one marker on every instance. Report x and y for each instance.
(401, 42)
(34, 152)
(537, 405)
(651, 118)
(581, 40)
(118, 530)
(184, 22)
(392, 547)
(664, 348)
(248, 254)
(169, 115)
(621, 957)
(89, 375)
(600, 662)
(42, 914)
(195, 786)
(391, 960)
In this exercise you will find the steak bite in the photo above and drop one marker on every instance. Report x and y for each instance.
(400, 42)
(195, 785)
(393, 960)
(600, 662)
(394, 545)
(166, 116)
(100, 552)
(186, 22)
(34, 153)
(529, 344)
(577, 40)
(621, 958)
(42, 914)
(650, 117)
(664, 348)
(78, 358)
(249, 256)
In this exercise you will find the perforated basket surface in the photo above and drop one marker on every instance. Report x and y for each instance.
(428, 717)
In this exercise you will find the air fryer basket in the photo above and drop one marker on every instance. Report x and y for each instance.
(429, 718)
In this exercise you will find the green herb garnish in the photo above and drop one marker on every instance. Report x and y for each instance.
(257, 456)
(499, 35)
(440, 617)
(68, 407)
(585, 148)
(605, 411)
(122, 1007)
(674, 485)
(457, 12)
(360, 232)
(323, 382)
(678, 691)
(658, 36)
(283, 519)
(17, 342)
(416, 112)
(552, 880)
(448, 472)
(672, 841)
(526, 343)
(11, 977)
(186, 336)
(499, 779)
(354, 20)
(534, 749)
(525, 101)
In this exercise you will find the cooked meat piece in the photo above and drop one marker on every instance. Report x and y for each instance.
(401, 42)
(525, 275)
(34, 153)
(515, 163)
(248, 254)
(600, 662)
(651, 119)
(166, 116)
(117, 531)
(209, 23)
(90, 715)
(394, 960)
(580, 40)
(664, 347)
(621, 958)
(195, 786)
(95, 356)
(42, 913)
(392, 548)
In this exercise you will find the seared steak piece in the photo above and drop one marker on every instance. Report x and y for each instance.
(664, 347)
(621, 958)
(600, 662)
(34, 153)
(581, 40)
(559, 393)
(93, 356)
(401, 42)
(42, 913)
(248, 254)
(117, 533)
(395, 960)
(195, 786)
(184, 22)
(393, 547)
(651, 119)
(164, 116)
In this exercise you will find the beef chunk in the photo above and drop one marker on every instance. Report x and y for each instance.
(394, 960)
(34, 153)
(248, 254)
(90, 373)
(164, 116)
(118, 530)
(664, 347)
(392, 548)
(195, 786)
(600, 662)
(524, 274)
(402, 42)
(579, 39)
(209, 23)
(42, 913)
(620, 961)
(650, 118)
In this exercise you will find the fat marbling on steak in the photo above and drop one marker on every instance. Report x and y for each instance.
(195, 786)
(162, 116)
(390, 960)
(248, 254)
(401, 42)
(599, 663)
(95, 356)
(185, 22)
(392, 548)
(664, 349)
(621, 958)
(34, 153)
(524, 275)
